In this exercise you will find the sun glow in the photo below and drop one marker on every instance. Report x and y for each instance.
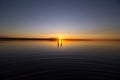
(60, 37)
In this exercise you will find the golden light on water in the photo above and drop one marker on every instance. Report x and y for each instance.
(59, 43)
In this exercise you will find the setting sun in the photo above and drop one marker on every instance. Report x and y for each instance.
(60, 37)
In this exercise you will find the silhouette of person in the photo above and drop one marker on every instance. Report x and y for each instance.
(59, 43)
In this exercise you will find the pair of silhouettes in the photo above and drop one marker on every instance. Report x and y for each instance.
(59, 43)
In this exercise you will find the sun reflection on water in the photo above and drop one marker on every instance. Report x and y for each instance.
(59, 43)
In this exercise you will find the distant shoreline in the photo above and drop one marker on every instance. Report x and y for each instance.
(55, 39)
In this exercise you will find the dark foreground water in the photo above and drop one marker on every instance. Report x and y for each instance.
(41, 60)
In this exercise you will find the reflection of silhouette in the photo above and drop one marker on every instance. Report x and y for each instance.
(59, 43)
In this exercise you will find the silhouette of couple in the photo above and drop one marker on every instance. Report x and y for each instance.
(59, 43)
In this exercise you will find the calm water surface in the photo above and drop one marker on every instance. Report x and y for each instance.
(31, 60)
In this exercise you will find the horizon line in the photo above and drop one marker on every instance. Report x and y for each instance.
(67, 39)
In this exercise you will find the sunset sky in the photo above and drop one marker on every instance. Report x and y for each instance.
(52, 18)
